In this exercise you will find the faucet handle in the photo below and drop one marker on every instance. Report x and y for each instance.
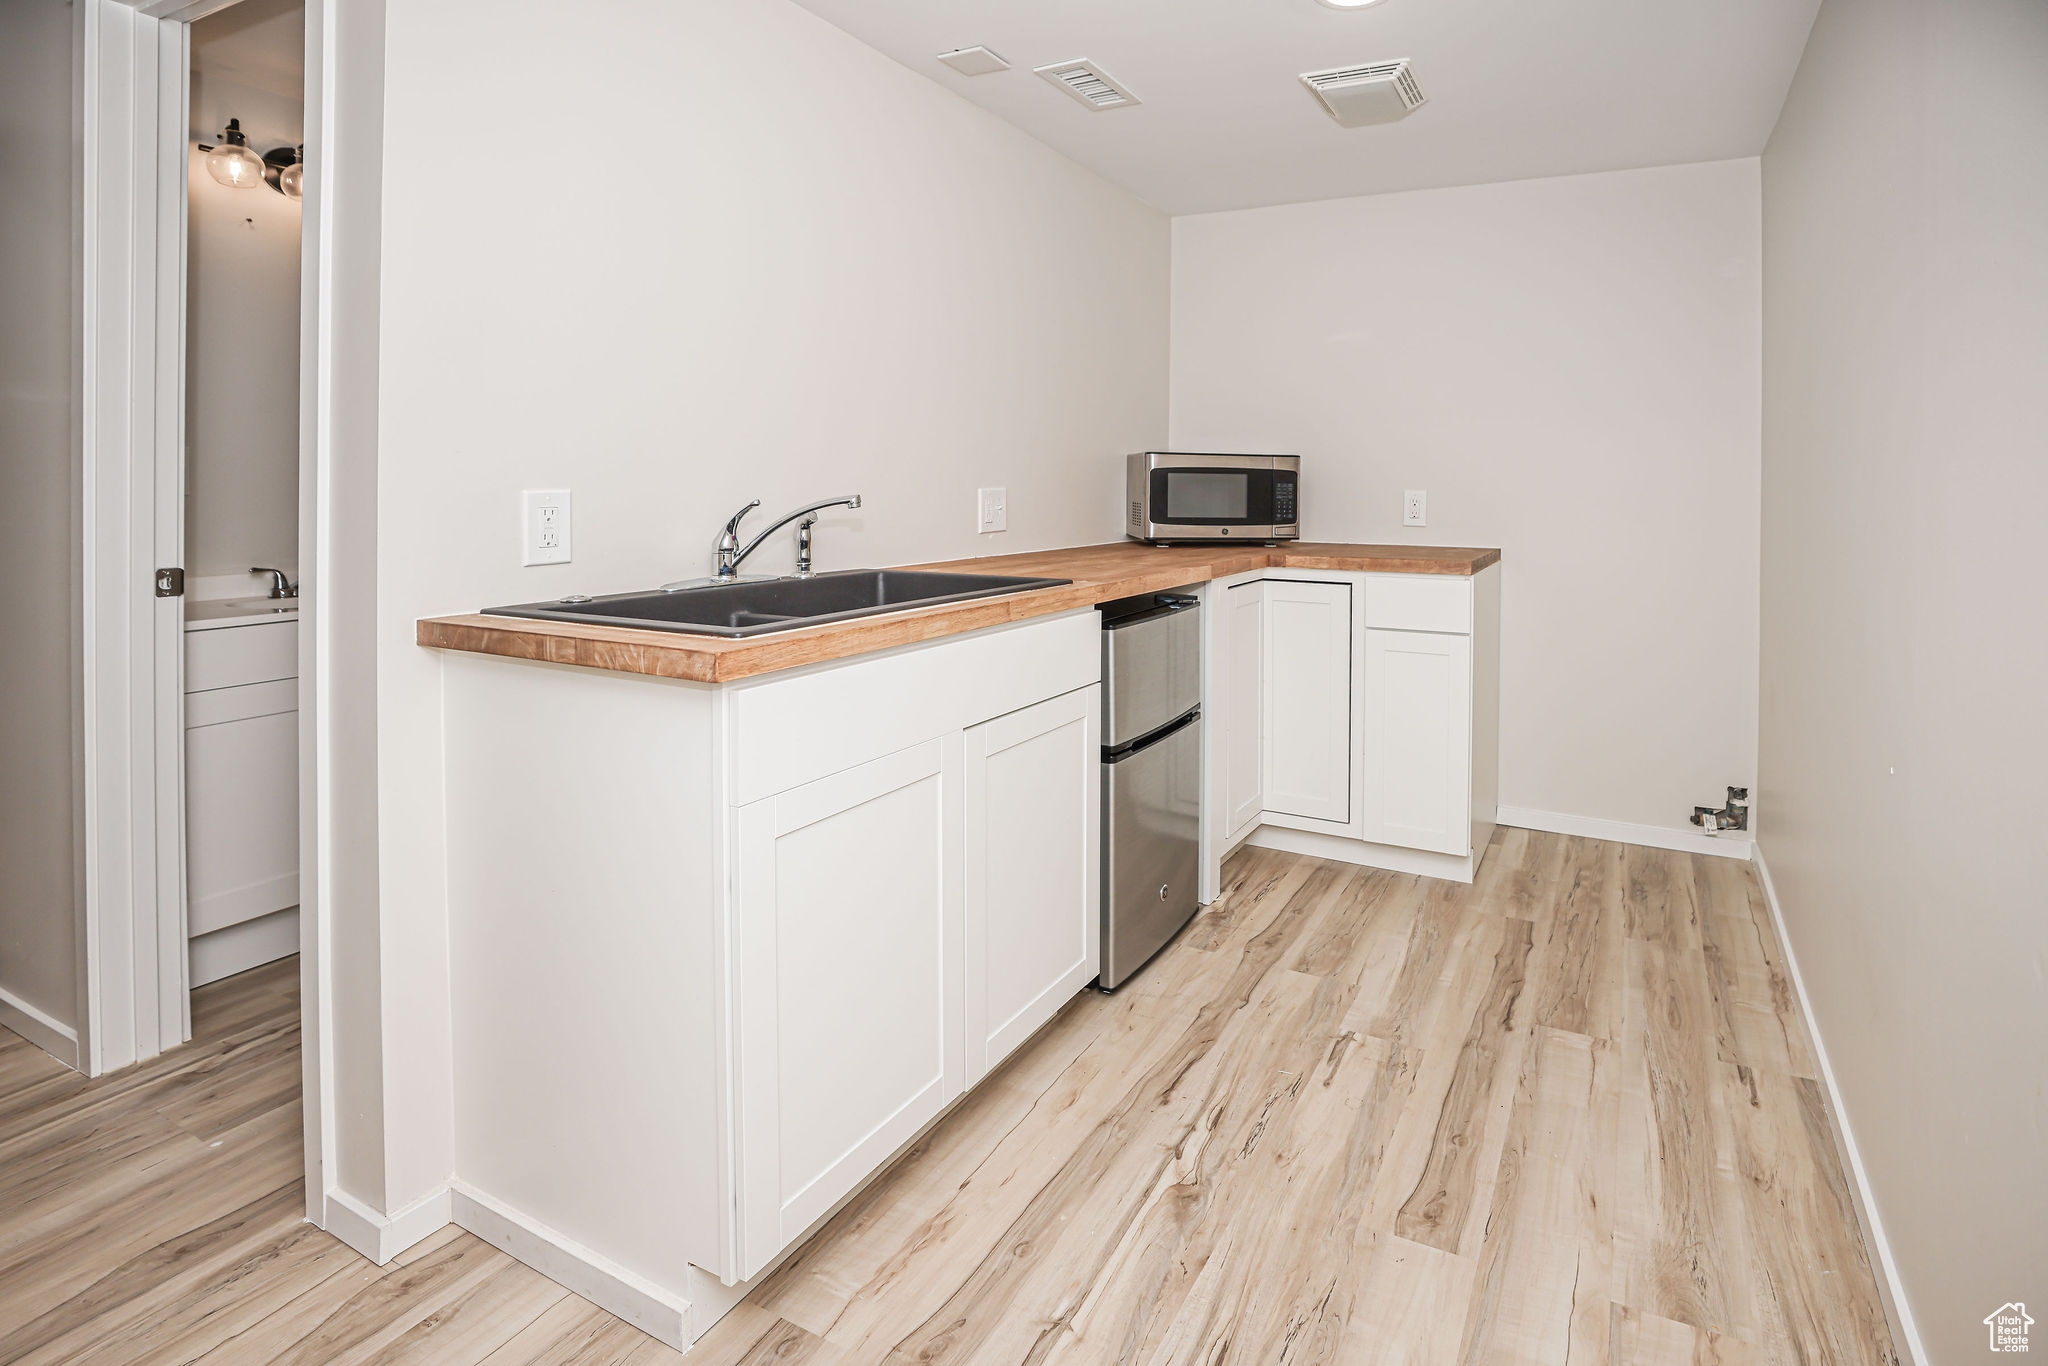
(732, 526)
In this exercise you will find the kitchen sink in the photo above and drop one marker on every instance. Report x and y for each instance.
(753, 607)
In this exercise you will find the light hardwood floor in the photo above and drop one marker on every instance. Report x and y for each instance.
(1566, 1114)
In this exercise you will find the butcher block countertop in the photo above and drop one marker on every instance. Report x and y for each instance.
(1099, 573)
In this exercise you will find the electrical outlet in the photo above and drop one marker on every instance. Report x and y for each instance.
(992, 510)
(546, 524)
(1415, 508)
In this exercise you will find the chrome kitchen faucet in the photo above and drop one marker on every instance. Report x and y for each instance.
(730, 553)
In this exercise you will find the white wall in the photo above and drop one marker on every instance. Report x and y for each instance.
(1569, 368)
(707, 253)
(40, 887)
(1905, 647)
(343, 966)
(242, 337)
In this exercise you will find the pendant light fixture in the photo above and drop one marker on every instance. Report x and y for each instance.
(232, 161)
(285, 170)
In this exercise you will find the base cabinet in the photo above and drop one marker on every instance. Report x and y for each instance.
(899, 927)
(1417, 752)
(1367, 706)
(1033, 822)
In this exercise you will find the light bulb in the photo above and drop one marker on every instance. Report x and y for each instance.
(234, 163)
(291, 181)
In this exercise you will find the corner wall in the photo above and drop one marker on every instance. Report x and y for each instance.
(1904, 643)
(1569, 369)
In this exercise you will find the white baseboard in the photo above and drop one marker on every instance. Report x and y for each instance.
(237, 948)
(1343, 849)
(654, 1311)
(57, 1039)
(1901, 1312)
(1735, 845)
(380, 1237)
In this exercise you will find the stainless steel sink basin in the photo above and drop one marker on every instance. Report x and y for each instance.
(759, 607)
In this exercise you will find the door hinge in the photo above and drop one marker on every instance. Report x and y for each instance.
(170, 583)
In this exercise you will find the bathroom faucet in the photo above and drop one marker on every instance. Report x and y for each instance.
(280, 586)
(730, 553)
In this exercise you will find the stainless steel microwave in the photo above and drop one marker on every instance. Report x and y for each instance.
(1175, 496)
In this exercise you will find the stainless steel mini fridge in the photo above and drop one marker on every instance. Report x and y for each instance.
(1151, 775)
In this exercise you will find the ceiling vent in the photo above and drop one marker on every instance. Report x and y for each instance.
(1088, 83)
(974, 61)
(1379, 92)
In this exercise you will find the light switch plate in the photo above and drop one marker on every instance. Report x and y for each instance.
(546, 526)
(992, 510)
(1415, 508)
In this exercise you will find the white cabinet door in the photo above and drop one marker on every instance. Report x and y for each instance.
(1244, 705)
(1418, 740)
(241, 803)
(1308, 699)
(1033, 931)
(846, 924)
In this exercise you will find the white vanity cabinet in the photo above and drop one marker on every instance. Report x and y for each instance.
(1371, 704)
(241, 793)
(719, 951)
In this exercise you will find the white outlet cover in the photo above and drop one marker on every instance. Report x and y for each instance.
(1415, 508)
(544, 526)
(992, 510)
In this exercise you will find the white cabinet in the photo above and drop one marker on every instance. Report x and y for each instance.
(1308, 699)
(1243, 675)
(914, 887)
(241, 795)
(1417, 751)
(241, 803)
(1033, 931)
(1358, 716)
(846, 930)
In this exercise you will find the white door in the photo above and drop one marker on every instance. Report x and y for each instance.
(1033, 929)
(846, 940)
(1308, 699)
(1244, 705)
(1418, 740)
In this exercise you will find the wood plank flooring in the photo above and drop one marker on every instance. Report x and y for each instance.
(157, 1215)
(1564, 1115)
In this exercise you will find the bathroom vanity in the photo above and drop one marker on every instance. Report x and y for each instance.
(241, 784)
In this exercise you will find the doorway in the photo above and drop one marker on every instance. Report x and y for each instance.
(140, 135)
(244, 179)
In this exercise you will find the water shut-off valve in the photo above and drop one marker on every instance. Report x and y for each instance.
(1734, 816)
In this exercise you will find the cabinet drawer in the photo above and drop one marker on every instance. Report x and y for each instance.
(800, 728)
(234, 655)
(1418, 602)
(243, 703)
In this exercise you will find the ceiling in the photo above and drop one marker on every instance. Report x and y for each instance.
(1516, 89)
